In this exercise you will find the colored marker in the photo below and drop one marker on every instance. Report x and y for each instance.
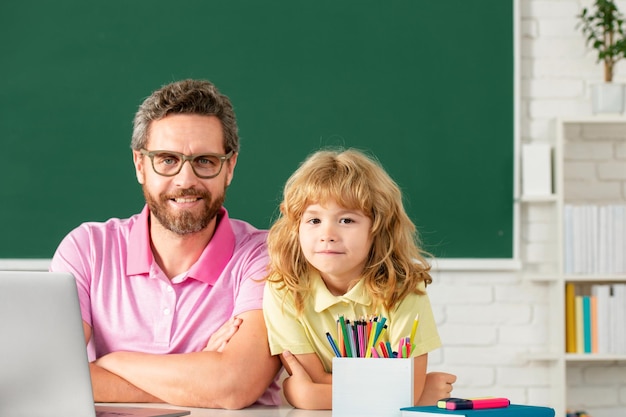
(333, 344)
(370, 337)
(379, 328)
(346, 336)
(490, 403)
(353, 346)
(341, 346)
(374, 353)
(389, 350)
(401, 349)
(383, 349)
(414, 328)
(473, 403)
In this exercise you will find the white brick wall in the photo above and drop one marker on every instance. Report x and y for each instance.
(489, 320)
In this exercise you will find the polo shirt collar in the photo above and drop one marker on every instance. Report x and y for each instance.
(139, 251)
(207, 268)
(323, 299)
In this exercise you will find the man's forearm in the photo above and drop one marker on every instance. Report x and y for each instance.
(191, 379)
(111, 388)
(181, 379)
(232, 378)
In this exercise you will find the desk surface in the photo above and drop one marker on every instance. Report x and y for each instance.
(254, 411)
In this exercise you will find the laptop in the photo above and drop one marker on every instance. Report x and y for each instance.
(43, 358)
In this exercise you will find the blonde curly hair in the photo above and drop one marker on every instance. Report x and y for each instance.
(396, 264)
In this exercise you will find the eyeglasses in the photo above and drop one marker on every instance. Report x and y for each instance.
(169, 163)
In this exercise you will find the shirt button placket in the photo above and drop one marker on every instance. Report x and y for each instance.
(167, 312)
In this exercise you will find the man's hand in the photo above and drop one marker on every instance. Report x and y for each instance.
(438, 385)
(219, 339)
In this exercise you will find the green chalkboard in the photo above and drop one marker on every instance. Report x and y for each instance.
(427, 86)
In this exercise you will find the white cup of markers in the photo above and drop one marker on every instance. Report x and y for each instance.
(364, 339)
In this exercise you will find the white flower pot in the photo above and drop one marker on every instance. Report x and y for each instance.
(607, 98)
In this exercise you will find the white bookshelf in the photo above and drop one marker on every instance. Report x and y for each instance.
(551, 273)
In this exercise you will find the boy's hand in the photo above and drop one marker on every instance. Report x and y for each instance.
(438, 385)
(295, 368)
(295, 385)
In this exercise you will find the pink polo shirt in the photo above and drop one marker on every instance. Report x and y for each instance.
(132, 306)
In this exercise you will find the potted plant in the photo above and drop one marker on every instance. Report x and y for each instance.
(603, 27)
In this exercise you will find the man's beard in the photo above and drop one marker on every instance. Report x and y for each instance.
(183, 222)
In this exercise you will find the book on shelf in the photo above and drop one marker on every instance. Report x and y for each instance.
(616, 236)
(570, 317)
(580, 328)
(586, 316)
(593, 323)
(513, 410)
(586, 324)
(605, 241)
(595, 318)
(618, 308)
(594, 239)
(602, 293)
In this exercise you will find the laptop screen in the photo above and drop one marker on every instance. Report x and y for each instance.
(43, 359)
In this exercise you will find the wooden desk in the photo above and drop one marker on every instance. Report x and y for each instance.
(254, 411)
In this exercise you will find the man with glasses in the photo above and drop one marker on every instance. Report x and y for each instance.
(171, 298)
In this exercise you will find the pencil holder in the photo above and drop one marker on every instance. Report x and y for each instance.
(364, 387)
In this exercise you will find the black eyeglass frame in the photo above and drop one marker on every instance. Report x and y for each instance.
(190, 158)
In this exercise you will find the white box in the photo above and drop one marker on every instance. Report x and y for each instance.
(536, 169)
(372, 387)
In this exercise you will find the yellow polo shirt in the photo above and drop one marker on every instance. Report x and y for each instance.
(306, 333)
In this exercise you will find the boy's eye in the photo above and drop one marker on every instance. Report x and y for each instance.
(346, 221)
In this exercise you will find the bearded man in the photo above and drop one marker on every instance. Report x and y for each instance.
(171, 298)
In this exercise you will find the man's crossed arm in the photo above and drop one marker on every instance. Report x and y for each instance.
(232, 372)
